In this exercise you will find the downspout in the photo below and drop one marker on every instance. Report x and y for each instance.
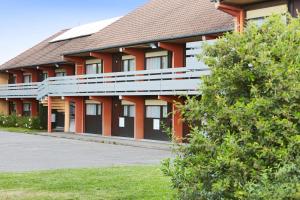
(238, 13)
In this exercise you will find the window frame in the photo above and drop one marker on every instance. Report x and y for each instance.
(99, 67)
(161, 62)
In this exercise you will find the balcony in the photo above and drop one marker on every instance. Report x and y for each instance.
(24, 90)
(179, 81)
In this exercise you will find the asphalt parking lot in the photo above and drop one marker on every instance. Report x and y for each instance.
(24, 152)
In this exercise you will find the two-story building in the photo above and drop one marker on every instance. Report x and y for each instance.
(117, 77)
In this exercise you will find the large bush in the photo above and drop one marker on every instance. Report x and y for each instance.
(248, 145)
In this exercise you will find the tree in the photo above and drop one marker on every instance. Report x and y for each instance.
(248, 144)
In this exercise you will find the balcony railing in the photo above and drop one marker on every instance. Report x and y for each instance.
(179, 81)
(24, 90)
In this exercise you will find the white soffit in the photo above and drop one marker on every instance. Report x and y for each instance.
(85, 30)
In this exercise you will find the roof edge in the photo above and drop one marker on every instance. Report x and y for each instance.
(148, 41)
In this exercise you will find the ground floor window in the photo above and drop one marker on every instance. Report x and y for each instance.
(27, 109)
(93, 109)
(129, 110)
(156, 112)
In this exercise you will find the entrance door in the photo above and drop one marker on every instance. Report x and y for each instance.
(122, 119)
(93, 118)
(72, 117)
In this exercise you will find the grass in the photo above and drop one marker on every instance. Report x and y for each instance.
(18, 130)
(132, 182)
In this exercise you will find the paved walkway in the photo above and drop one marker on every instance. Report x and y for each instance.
(24, 152)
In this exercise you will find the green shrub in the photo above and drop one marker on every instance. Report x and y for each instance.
(248, 145)
(21, 122)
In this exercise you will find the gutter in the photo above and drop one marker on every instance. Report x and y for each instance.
(147, 41)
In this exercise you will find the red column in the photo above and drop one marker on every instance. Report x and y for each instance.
(139, 118)
(49, 114)
(106, 58)
(177, 53)
(69, 70)
(107, 114)
(79, 114)
(34, 108)
(139, 57)
(34, 74)
(80, 68)
(19, 107)
(177, 122)
(19, 76)
(50, 71)
(79, 63)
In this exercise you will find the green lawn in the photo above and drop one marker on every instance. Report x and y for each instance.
(18, 130)
(138, 182)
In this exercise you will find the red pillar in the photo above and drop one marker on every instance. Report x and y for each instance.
(79, 114)
(49, 114)
(107, 114)
(106, 58)
(177, 53)
(19, 107)
(69, 70)
(79, 63)
(50, 71)
(19, 76)
(177, 122)
(34, 108)
(139, 118)
(34, 74)
(139, 57)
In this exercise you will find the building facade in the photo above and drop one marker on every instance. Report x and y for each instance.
(120, 77)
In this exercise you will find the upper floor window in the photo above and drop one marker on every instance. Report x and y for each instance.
(157, 60)
(95, 68)
(60, 74)
(44, 76)
(157, 63)
(27, 79)
(128, 65)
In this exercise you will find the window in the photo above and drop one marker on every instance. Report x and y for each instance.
(13, 108)
(165, 111)
(157, 63)
(60, 74)
(94, 68)
(153, 112)
(93, 109)
(45, 76)
(129, 111)
(26, 107)
(14, 79)
(27, 78)
(128, 65)
(99, 111)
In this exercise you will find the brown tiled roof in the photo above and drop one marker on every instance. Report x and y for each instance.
(162, 20)
(155, 21)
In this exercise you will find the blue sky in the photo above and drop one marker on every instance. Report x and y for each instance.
(24, 23)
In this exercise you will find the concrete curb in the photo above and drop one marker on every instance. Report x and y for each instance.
(149, 144)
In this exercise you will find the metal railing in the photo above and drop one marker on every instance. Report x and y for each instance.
(23, 90)
(175, 81)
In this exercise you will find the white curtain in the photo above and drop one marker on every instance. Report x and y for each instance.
(91, 109)
(153, 112)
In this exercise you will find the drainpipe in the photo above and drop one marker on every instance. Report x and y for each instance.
(238, 13)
